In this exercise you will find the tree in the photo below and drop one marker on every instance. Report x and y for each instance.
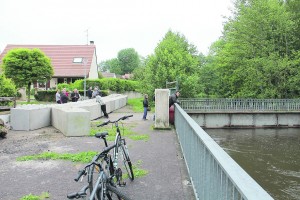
(253, 59)
(174, 59)
(128, 60)
(26, 66)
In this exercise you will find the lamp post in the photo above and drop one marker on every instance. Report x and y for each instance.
(85, 60)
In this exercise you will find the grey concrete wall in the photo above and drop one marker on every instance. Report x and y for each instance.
(161, 108)
(257, 120)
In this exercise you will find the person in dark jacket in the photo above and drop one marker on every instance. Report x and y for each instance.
(75, 95)
(90, 92)
(145, 105)
(63, 97)
(174, 98)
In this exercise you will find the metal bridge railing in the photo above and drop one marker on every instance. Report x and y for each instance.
(240, 104)
(214, 174)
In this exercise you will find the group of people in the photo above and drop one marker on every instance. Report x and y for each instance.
(63, 96)
(172, 99)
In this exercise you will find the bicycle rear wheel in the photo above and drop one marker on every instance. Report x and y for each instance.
(126, 160)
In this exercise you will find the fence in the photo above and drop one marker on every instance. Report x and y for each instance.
(241, 104)
(7, 99)
(214, 174)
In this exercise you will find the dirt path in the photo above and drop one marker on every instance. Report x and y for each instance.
(167, 178)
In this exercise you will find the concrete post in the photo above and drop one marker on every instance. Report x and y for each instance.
(161, 109)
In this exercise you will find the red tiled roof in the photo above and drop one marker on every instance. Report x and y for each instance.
(62, 57)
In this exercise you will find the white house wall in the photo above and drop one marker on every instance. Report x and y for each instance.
(94, 71)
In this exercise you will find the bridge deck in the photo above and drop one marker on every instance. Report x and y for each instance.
(160, 155)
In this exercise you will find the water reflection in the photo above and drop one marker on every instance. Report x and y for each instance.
(270, 156)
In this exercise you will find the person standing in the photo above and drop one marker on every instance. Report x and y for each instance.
(90, 92)
(95, 92)
(75, 95)
(174, 98)
(145, 105)
(63, 97)
(57, 96)
(102, 105)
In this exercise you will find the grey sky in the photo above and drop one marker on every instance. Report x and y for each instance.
(112, 24)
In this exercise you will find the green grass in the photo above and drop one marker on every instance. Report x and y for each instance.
(137, 171)
(83, 157)
(140, 137)
(30, 196)
(136, 104)
(126, 132)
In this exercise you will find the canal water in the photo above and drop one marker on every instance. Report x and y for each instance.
(270, 156)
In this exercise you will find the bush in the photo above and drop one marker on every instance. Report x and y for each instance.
(7, 87)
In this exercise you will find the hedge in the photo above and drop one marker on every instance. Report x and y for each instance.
(49, 95)
(114, 84)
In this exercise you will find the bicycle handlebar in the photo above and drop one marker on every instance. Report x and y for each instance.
(111, 122)
(80, 173)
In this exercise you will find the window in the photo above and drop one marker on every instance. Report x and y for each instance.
(77, 60)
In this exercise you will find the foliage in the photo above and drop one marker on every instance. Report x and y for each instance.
(26, 66)
(257, 55)
(126, 62)
(174, 59)
(114, 84)
(7, 87)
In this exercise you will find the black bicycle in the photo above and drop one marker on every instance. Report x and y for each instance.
(105, 187)
(113, 162)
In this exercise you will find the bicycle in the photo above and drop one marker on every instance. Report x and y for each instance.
(105, 187)
(119, 144)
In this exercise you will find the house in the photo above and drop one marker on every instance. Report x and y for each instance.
(70, 62)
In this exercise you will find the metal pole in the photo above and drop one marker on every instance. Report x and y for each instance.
(85, 63)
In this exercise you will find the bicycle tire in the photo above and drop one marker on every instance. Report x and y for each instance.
(126, 161)
(111, 193)
(94, 170)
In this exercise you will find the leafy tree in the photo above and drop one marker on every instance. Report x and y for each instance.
(128, 60)
(254, 57)
(174, 59)
(112, 65)
(26, 66)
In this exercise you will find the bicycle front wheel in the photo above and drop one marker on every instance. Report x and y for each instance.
(111, 193)
(126, 160)
(94, 171)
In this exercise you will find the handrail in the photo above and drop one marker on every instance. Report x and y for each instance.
(214, 174)
(240, 104)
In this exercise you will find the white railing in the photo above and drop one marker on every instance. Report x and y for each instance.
(214, 174)
(240, 104)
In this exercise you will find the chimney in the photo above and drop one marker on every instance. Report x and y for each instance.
(91, 42)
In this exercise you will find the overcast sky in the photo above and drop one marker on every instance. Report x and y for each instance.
(112, 24)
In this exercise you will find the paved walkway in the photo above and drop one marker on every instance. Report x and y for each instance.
(160, 155)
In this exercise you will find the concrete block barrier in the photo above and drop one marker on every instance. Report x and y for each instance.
(30, 117)
(72, 119)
